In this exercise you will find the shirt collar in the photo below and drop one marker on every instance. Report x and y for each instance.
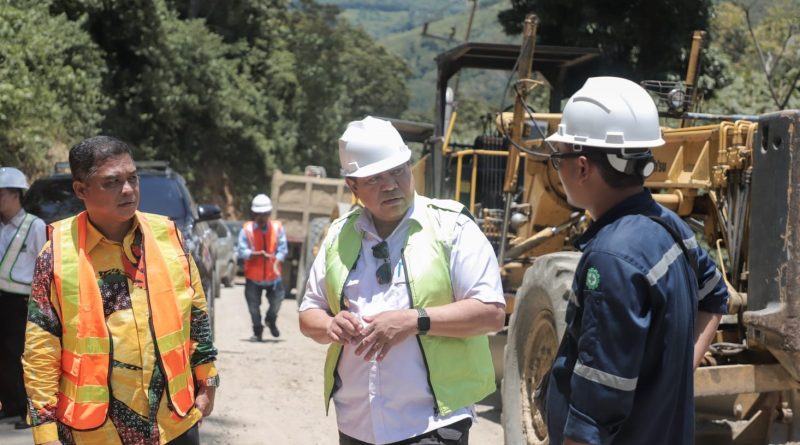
(94, 237)
(640, 203)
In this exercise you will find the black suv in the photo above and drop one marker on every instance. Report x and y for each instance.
(163, 191)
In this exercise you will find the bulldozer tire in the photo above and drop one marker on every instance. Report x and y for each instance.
(534, 333)
(316, 229)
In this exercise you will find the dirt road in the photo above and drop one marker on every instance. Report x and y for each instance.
(271, 392)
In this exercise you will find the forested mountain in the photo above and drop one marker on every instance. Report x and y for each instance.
(227, 92)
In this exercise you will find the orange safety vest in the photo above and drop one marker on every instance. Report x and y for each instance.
(258, 268)
(83, 396)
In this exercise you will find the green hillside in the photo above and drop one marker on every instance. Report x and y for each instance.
(399, 28)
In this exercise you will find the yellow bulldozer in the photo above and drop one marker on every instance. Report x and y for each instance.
(734, 179)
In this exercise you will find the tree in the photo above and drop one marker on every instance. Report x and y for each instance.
(639, 39)
(51, 75)
(344, 75)
(760, 44)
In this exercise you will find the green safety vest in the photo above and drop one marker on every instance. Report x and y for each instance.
(460, 370)
(11, 256)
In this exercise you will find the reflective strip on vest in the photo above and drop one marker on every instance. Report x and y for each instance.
(7, 283)
(170, 297)
(83, 397)
(428, 251)
(85, 361)
(258, 268)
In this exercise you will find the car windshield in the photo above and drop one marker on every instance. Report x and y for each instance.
(53, 199)
(163, 195)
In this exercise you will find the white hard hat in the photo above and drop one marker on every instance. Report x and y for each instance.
(610, 112)
(12, 178)
(261, 204)
(371, 146)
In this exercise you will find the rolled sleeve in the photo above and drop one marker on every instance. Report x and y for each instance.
(712, 292)
(474, 270)
(243, 247)
(283, 246)
(315, 297)
(614, 326)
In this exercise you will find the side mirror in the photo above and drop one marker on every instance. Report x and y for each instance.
(208, 212)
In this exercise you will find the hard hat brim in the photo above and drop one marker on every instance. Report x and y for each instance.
(260, 209)
(589, 142)
(381, 166)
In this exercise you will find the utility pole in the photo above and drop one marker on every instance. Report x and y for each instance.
(466, 40)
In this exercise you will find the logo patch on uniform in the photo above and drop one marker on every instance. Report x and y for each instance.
(592, 278)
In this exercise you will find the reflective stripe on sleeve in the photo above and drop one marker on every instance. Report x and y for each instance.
(663, 264)
(709, 285)
(604, 378)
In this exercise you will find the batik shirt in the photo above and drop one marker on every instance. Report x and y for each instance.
(138, 410)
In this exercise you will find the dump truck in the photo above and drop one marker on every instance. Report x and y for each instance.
(304, 204)
(734, 179)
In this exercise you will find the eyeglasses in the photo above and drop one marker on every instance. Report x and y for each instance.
(556, 157)
(384, 272)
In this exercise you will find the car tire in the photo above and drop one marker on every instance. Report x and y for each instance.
(230, 274)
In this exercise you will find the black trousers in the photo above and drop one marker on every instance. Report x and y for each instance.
(190, 437)
(13, 317)
(453, 434)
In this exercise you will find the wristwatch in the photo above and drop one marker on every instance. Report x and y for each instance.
(423, 321)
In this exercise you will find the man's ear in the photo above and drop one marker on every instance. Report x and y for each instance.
(80, 189)
(584, 168)
(353, 185)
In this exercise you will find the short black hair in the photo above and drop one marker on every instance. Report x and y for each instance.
(86, 155)
(613, 177)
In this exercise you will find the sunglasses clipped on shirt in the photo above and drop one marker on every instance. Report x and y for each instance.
(384, 272)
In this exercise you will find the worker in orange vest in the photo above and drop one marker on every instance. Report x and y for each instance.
(262, 244)
(118, 345)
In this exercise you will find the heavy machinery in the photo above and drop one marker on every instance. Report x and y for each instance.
(736, 181)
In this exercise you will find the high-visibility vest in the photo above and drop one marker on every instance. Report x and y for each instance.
(83, 396)
(10, 257)
(460, 370)
(258, 268)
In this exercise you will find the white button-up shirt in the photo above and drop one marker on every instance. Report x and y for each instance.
(22, 270)
(391, 400)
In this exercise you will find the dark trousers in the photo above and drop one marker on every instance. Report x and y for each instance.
(190, 437)
(252, 293)
(453, 434)
(13, 316)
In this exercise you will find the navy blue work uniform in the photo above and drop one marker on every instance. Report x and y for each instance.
(623, 374)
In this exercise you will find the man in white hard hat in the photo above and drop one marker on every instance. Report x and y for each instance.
(262, 245)
(404, 290)
(22, 235)
(647, 300)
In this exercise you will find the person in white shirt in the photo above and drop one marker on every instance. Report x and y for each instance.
(22, 236)
(405, 291)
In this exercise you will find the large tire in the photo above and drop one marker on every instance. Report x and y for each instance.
(534, 333)
(316, 229)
